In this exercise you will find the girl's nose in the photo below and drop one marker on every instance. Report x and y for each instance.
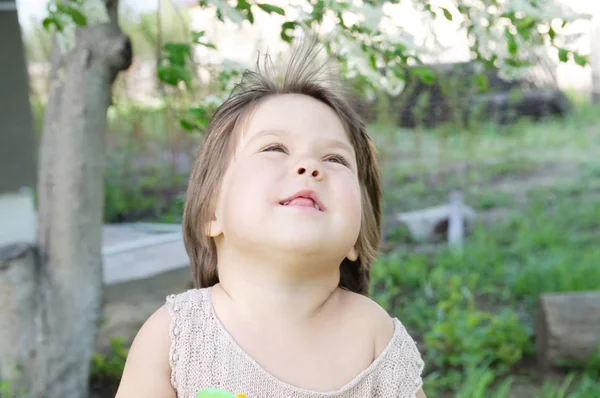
(310, 168)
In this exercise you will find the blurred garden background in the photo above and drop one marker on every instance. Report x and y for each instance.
(514, 138)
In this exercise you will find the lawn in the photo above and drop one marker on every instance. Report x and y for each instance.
(536, 191)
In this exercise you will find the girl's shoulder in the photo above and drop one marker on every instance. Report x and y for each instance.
(155, 351)
(147, 370)
(372, 316)
(392, 341)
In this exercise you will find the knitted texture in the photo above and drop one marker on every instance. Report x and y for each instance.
(204, 355)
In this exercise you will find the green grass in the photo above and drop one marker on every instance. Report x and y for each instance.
(473, 312)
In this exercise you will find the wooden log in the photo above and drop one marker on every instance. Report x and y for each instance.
(567, 328)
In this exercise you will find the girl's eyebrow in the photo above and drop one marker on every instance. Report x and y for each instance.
(340, 145)
(263, 133)
(329, 142)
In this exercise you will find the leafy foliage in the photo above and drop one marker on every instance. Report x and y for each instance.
(110, 365)
(7, 390)
(62, 12)
(372, 51)
(378, 57)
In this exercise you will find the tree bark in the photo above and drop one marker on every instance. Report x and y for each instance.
(567, 328)
(64, 287)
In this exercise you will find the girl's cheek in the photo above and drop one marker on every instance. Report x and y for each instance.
(349, 191)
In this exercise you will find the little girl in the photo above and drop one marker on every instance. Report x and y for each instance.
(282, 225)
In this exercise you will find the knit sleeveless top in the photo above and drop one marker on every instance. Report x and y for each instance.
(204, 355)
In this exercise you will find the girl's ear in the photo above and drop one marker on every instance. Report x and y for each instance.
(352, 254)
(214, 227)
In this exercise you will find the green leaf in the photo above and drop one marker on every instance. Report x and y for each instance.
(285, 27)
(186, 125)
(197, 35)
(177, 53)
(373, 61)
(563, 55)
(580, 60)
(470, 29)
(52, 20)
(250, 16)
(242, 5)
(482, 81)
(196, 39)
(424, 73)
(198, 113)
(200, 116)
(209, 45)
(525, 27)
(511, 42)
(552, 34)
(77, 16)
(172, 75)
(447, 14)
(318, 12)
(177, 47)
(48, 22)
(166, 75)
(271, 8)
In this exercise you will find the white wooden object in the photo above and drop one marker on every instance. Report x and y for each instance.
(429, 224)
(456, 222)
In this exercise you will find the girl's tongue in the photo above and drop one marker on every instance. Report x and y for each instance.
(302, 202)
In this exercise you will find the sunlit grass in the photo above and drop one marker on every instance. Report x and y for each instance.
(473, 312)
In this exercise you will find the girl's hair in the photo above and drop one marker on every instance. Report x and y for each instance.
(305, 74)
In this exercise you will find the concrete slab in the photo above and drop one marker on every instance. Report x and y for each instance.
(143, 264)
(131, 253)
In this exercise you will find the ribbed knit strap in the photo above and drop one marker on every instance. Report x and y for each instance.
(189, 312)
(407, 360)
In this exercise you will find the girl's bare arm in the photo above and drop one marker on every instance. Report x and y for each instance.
(147, 371)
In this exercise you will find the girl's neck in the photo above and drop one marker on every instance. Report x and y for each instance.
(270, 291)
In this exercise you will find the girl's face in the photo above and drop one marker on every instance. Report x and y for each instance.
(292, 184)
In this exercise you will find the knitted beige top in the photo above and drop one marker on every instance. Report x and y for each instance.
(203, 354)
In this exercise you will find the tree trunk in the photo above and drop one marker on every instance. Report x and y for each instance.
(567, 328)
(64, 287)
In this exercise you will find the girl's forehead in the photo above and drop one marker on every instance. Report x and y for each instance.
(294, 116)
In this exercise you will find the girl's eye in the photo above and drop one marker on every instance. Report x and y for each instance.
(337, 159)
(275, 148)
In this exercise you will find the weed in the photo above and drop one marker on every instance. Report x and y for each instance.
(111, 365)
